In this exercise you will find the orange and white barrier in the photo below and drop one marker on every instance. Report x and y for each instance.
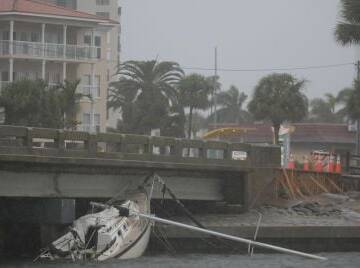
(338, 165)
(318, 164)
(331, 164)
(291, 163)
(306, 166)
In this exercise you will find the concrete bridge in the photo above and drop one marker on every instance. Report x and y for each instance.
(47, 176)
(50, 163)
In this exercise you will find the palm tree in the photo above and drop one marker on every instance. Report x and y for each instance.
(122, 98)
(332, 101)
(194, 93)
(214, 87)
(230, 103)
(348, 33)
(69, 99)
(279, 98)
(150, 87)
(348, 30)
(342, 98)
(321, 111)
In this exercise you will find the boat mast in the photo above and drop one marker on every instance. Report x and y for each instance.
(229, 237)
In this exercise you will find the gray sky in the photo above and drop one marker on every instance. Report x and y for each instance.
(249, 34)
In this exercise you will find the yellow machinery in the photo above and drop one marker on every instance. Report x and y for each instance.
(226, 132)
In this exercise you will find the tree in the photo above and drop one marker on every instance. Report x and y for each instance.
(145, 93)
(348, 33)
(353, 110)
(353, 102)
(199, 122)
(321, 111)
(279, 98)
(343, 97)
(33, 103)
(331, 109)
(194, 93)
(214, 86)
(348, 30)
(230, 109)
(69, 101)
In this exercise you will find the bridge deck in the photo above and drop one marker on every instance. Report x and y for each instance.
(37, 162)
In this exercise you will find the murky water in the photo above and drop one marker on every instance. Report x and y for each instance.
(343, 260)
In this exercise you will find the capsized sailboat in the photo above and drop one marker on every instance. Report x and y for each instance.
(106, 234)
(123, 231)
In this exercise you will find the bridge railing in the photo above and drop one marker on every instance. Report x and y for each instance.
(77, 144)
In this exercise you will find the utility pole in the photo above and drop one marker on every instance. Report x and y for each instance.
(215, 89)
(358, 119)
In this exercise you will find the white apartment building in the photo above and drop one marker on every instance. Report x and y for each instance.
(58, 40)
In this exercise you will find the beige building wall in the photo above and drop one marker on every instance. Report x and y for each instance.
(110, 53)
(110, 47)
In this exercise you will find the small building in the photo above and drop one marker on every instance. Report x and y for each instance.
(305, 137)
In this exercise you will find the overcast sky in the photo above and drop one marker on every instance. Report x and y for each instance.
(249, 34)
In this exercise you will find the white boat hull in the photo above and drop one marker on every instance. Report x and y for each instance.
(107, 234)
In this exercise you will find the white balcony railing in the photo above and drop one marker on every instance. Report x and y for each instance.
(88, 128)
(3, 84)
(49, 50)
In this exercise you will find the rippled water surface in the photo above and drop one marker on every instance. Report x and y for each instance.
(343, 260)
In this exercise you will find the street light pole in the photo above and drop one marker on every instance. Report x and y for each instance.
(215, 89)
(358, 119)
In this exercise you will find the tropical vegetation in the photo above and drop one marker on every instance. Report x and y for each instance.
(230, 107)
(34, 103)
(146, 95)
(279, 98)
(194, 93)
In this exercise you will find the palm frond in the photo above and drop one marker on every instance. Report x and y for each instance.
(347, 33)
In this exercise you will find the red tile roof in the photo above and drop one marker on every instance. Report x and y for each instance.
(36, 7)
(304, 133)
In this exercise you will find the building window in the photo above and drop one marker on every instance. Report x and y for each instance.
(86, 85)
(6, 35)
(86, 122)
(5, 76)
(102, 2)
(23, 36)
(97, 122)
(103, 14)
(97, 42)
(35, 37)
(87, 39)
(86, 119)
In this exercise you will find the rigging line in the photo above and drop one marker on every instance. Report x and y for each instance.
(272, 69)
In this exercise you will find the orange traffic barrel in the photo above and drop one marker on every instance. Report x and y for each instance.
(291, 163)
(338, 165)
(331, 165)
(306, 164)
(318, 165)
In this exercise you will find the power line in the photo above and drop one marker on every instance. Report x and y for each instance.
(272, 69)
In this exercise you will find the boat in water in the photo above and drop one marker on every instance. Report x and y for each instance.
(107, 233)
(122, 230)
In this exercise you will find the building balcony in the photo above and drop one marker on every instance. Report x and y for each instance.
(51, 51)
(89, 128)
